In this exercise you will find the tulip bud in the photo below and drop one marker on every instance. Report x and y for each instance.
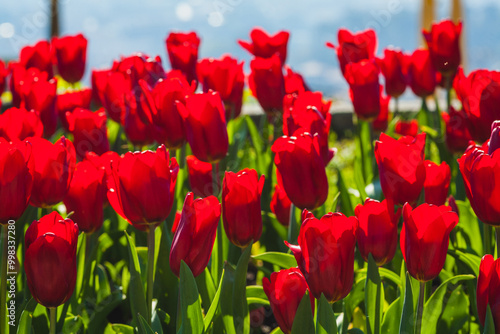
(363, 80)
(71, 55)
(421, 73)
(437, 182)
(488, 290)
(38, 56)
(443, 41)
(182, 49)
(89, 131)
(200, 177)
(267, 83)
(394, 69)
(50, 259)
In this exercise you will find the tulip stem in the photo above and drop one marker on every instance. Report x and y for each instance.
(53, 318)
(215, 177)
(396, 107)
(497, 232)
(3, 284)
(151, 264)
(182, 157)
(420, 309)
(487, 239)
(292, 226)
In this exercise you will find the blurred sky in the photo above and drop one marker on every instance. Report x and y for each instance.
(121, 27)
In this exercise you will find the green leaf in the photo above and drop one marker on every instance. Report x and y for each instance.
(213, 307)
(489, 324)
(335, 202)
(122, 329)
(470, 260)
(72, 324)
(241, 316)
(206, 288)
(468, 232)
(345, 199)
(282, 260)
(256, 291)
(24, 325)
(390, 322)
(325, 318)
(407, 322)
(384, 274)
(135, 288)
(192, 318)
(259, 301)
(262, 159)
(441, 309)
(144, 327)
(277, 330)
(226, 299)
(374, 297)
(107, 305)
(304, 320)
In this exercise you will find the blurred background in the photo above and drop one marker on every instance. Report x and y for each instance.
(121, 27)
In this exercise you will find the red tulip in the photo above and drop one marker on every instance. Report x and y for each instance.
(280, 205)
(325, 254)
(53, 171)
(41, 97)
(205, 124)
(140, 66)
(99, 82)
(294, 82)
(437, 182)
(393, 66)
(267, 83)
(89, 131)
(182, 49)
(354, 47)
(195, 234)
(421, 73)
(302, 170)
(264, 45)
(86, 196)
(19, 124)
(406, 128)
(162, 111)
(364, 87)
(480, 96)
(50, 259)
(285, 291)
(226, 77)
(104, 160)
(4, 72)
(38, 55)
(303, 100)
(308, 119)
(382, 121)
(425, 237)
(200, 176)
(115, 101)
(401, 167)
(377, 231)
(443, 43)
(141, 187)
(136, 130)
(482, 182)
(241, 211)
(71, 100)
(458, 134)
(488, 290)
(71, 55)
(16, 180)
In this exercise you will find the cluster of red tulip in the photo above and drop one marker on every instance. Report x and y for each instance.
(42, 168)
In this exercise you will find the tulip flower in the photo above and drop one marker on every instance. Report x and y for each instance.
(302, 170)
(117, 87)
(393, 66)
(406, 128)
(364, 87)
(71, 55)
(458, 134)
(195, 234)
(443, 41)
(53, 171)
(488, 290)
(401, 167)
(141, 187)
(136, 130)
(377, 231)
(41, 97)
(480, 96)
(39, 56)
(86, 196)
(50, 259)
(140, 66)
(437, 182)
(21, 80)
(71, 100)
(421, 73)
(325, 254)
(267, 83)
(226, 77)
(354, 47)
(4, 72)
(280, 205)
(241, 211)
(89, 131)
(182, 49)
(285, 291)
(425, 237)
(482, 183)
(162, 111)
(99, 80)
(382, 121)
(16, 179)
(294, 82)
(19, 124)
(264, 45)
(200, 176)
(205, 124)
(307, 99)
